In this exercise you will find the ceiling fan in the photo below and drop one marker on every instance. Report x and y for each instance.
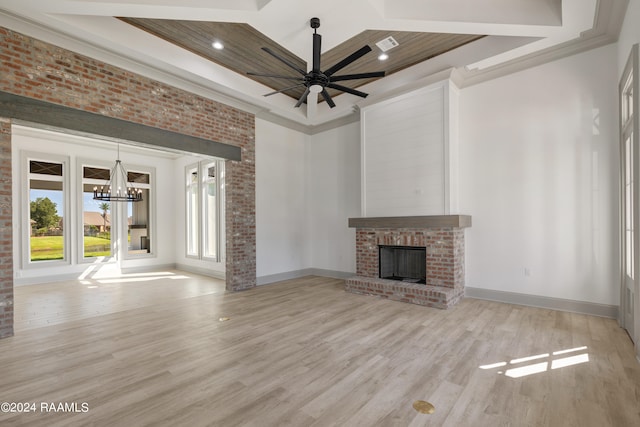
(317, 81)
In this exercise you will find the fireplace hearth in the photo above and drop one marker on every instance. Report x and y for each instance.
(388, 248)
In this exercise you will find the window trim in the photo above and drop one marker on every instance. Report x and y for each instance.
(25, 208)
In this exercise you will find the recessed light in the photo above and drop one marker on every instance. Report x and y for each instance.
(383, 57)
(217, 45)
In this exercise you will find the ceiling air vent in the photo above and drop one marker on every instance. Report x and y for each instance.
(387, 43)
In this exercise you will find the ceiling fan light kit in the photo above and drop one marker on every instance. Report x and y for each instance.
(317, 81)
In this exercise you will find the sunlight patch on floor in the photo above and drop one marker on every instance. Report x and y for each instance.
(529, 358)
(140, 279)
(536, 368)
(569, 361)
(524, 371)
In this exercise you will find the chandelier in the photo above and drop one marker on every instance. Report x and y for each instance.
(118, 176)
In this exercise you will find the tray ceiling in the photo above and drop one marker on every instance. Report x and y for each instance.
(242, 49)
(169, 40)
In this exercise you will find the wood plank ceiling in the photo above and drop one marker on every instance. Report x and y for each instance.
(243, 53)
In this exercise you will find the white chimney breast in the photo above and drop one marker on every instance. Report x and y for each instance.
(409, 153)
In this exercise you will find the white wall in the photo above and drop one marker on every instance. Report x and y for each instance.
(306, 189)
(75, 148)
(334, 196)
(539, 175)
(282, 236)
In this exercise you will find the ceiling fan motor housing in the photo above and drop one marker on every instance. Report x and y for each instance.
(316, 79)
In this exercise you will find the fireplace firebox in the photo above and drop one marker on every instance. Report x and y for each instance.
(403, 263)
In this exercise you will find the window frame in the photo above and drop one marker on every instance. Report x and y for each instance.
(81, 163)
(202, 217)
(25, 236)
(220, 214)
(189, 227)
(122, 214)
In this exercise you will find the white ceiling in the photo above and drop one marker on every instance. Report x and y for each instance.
(524, 32)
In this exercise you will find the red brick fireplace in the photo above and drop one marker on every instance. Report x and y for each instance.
(443, 238)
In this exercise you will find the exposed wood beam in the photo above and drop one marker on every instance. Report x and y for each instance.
(58, 116)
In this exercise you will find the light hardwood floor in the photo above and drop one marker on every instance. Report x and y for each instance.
(305, 353)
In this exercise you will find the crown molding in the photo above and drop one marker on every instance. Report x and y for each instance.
(606, 30)
(282, 121)
(473, 77)
(354, 117)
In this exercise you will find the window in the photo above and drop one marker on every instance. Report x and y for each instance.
(138, 215)
(96, 215)
(113, 230)
(205, 199)
(214, 233)
(47, 240)
(193, 220)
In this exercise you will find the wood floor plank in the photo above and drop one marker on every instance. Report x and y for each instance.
(151, 350)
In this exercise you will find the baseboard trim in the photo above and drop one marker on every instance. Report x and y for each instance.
(296, 274)
(202, 271)
(28, 281)
(582, 307)
(148, 268)
(279, 277)
(332, 273)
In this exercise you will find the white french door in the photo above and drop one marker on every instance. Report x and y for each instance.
(630, 217)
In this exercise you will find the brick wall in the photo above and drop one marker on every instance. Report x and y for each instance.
(6, 254)
(39, 70)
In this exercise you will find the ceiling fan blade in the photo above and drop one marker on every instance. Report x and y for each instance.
(348, 60)
(284, 90)
(317, 42)
(274, 76)
(358, 76)
(348, 90)
(284, 60)
(327, 98)
(302, 98)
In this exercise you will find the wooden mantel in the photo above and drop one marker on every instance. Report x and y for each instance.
(431, 221)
